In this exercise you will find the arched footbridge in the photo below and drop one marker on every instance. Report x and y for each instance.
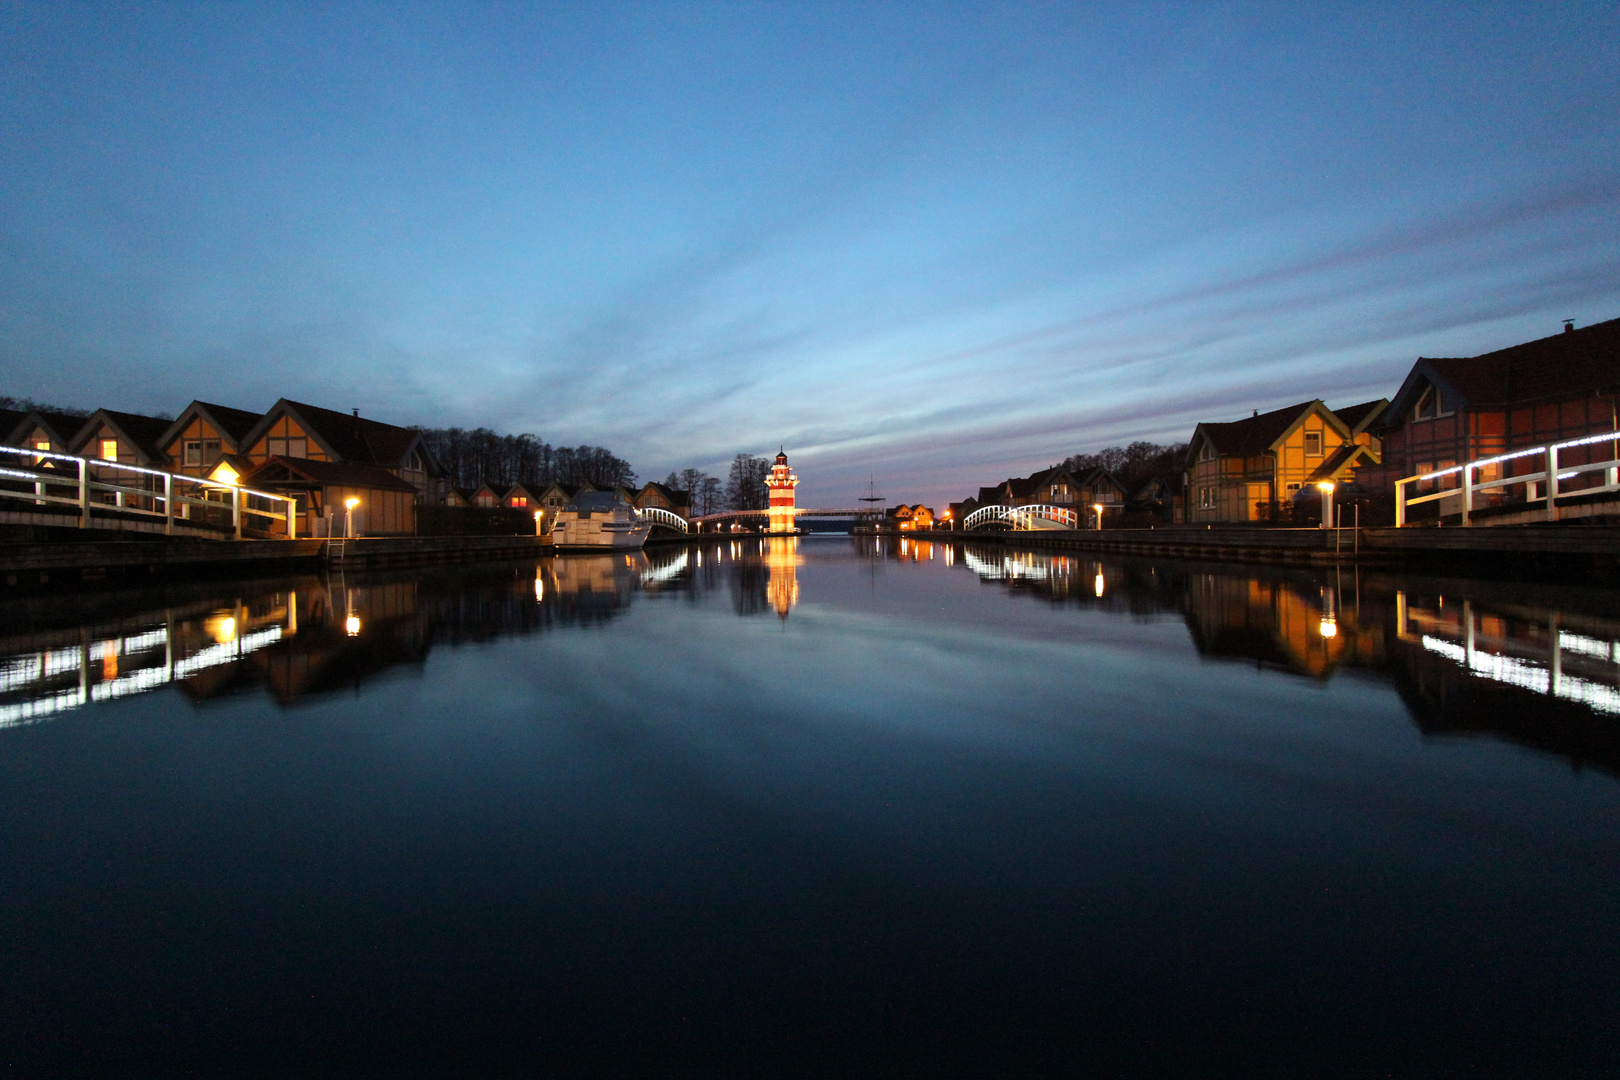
(1036, 516)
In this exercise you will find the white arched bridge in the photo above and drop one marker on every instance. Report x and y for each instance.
(1029, 518)
(1034, 517)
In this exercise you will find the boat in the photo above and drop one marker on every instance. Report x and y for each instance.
(595, 520)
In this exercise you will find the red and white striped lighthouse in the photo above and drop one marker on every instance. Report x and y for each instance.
(781, 484)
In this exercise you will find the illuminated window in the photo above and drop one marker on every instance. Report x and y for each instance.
(519, 500)
(1313, 444)
(109, 449)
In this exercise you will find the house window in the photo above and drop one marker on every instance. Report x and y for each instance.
(1431, 404)
(109, 449)
(194, 453)
(292, 448)
(1313, 444)
(1207, 451)
(44, 446)
(519, 500)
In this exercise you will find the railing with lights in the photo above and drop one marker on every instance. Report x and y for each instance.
(1023, 518)
(1541, 486)
(654, 515)
(148, 495)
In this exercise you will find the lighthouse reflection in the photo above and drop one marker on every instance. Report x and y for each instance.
(782, 561)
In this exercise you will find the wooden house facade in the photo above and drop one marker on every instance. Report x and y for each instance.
(1449, 411)
(295, 430)
(662, 497)
(1251, 470)
(203, 434)
(386, 504)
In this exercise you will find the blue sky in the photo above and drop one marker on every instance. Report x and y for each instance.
(939, 244)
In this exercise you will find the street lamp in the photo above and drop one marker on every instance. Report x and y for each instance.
(348, 518)
(1326, 488)
(1099, 508)
(538, 514)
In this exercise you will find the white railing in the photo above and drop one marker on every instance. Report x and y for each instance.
(655, 515)
(1540, 486)
(1023, 518)
(167, 497)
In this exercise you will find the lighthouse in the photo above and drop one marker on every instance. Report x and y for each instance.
(781, 484)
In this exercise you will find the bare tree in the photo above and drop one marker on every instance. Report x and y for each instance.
(745, 485)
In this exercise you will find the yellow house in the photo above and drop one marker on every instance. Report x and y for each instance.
(203, 434)
(1251, 470)
(292, 429)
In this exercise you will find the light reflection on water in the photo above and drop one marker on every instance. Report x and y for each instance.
(1047, 813)
(316, 634)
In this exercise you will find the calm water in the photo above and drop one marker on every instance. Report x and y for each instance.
(830, 808)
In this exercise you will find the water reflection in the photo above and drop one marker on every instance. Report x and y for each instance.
(1541, 668)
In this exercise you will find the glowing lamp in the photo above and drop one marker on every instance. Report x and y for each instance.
(352, 625)
(1329, 628)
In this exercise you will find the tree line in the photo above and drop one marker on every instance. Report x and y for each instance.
(1131, 465)
(743, 489)
(470, 457)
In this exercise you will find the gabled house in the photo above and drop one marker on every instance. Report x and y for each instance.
(1157, 497)
(386, 504)
(293, 429)
(204, 433)
(519, 497)
(486, 496)
(45, 430)
(1248, 470)
(662, 497)
(1452, 410)
(458, 496)
(121, 438)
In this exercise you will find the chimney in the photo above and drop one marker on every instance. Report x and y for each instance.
(357, 411)
(1254, 414)
(1569, 326)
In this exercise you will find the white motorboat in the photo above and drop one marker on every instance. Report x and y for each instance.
(599, 519)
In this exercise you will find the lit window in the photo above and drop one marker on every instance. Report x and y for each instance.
(109, 449)
(519, 500)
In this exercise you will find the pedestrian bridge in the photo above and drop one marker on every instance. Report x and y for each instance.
(1031, 518)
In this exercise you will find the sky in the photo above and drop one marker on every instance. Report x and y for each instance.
(931, 244)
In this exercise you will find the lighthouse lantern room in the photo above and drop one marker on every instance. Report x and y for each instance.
(781, 484)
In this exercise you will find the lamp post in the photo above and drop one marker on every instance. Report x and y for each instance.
(1326, 488)
(538, 514)
(1099, 508)
(348, 517)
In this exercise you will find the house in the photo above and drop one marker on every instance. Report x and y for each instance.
(204, 433)
(486, 496)
(117, 439)
(386, 503)
(292, 429)
(46, 430)
(662, 497)
(519, 497)
(909, 518)
(1452, 410)
(1249, 470)
(458, 496)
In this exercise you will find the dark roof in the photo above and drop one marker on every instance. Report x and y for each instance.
(1338, 460)
(64, 427)
(146, 432)
(1248, 438)
(1570, 364)
(1357, 417)
(232, 423)
(340, 473)
(349, 438)
(674, 495)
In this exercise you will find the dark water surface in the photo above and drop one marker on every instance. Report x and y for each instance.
(831, 808)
